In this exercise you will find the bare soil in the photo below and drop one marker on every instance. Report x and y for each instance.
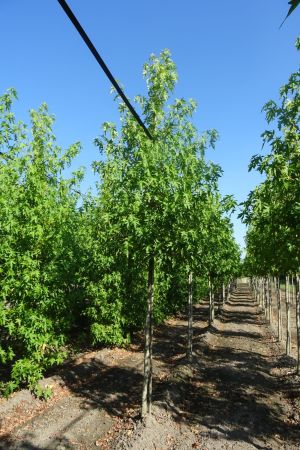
(240, 392)
(274, 320)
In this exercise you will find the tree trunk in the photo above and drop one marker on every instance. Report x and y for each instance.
(261, 293)
(223, 294)
(298, 322)
(211, 303)
(270, 299)
(147, 386)
(190, 319)
(279, 313)
(293, 293)
(288, 315)
(265, 299)
(254, 289)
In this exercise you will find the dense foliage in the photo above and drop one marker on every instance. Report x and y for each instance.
(272, 209)
(38, 249)
(156, 198)
(73, 266)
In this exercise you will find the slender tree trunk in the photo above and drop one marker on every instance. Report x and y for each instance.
(298, 321)
(270, 299)
(147, 386)
(211, 303)
(210, 300)
(190, 319)
(217, 301)
(293, 294)
(255, 290)
(288, 315)
(265, 298)
(279, 313)
(261, 293)
(223, 294)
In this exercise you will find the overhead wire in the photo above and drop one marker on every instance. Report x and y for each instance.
(102, 64)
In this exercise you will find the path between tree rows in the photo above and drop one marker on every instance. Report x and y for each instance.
(239, 393)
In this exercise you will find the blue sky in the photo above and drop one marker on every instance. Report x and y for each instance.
(231, 58)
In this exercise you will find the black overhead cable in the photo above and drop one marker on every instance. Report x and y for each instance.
(102, 64)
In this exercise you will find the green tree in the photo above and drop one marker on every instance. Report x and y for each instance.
(150, 214)
(37, 246)
(272, 209)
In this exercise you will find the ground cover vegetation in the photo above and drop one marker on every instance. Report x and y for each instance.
(96, 268)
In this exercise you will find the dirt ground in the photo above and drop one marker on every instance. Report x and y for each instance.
(240, 392)
(274, 319)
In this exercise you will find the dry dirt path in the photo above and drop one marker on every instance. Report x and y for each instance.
(235, 395)
(252, 405)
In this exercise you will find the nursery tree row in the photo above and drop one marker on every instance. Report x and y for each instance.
(272, 210)
(96, 268)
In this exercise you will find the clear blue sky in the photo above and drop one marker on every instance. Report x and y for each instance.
(230, 54)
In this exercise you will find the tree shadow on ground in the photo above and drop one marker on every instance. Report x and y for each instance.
(226, 390)
(58, 442)
(9, 444)
(239, 317)
(238, 334)
(242, 303)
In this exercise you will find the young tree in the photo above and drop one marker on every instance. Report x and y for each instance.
(38, 214)
(152, 199)
(272, 209)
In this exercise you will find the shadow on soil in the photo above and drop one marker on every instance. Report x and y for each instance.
(224, 389)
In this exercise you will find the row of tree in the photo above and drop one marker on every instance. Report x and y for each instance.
(156, 235)
(272, 210)
(269, 294)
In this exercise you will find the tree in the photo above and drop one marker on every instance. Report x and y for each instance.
(37, 246)
(153, 200)
(272, 209)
